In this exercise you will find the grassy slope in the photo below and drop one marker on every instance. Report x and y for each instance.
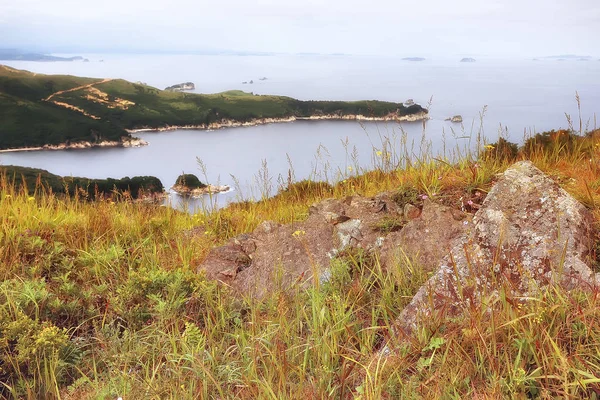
(29, 121)
(100, 300)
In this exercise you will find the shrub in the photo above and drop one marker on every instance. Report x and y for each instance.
(502, 150)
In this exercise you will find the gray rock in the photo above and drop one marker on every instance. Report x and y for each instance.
(528, 234)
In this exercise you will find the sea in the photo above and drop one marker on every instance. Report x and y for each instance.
(512, 98)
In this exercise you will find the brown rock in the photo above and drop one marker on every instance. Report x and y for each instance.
(528, 233)
(278, 256)
(411, 212)
(428, 238)
(273, 257)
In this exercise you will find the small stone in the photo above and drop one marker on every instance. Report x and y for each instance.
(411, 212)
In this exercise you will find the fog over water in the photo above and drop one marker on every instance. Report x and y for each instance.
(513, 95)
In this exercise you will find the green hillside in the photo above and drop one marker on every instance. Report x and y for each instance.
(53, 109)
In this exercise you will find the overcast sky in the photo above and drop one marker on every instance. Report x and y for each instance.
(415, 27)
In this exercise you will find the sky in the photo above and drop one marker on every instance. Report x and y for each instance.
(379, 27)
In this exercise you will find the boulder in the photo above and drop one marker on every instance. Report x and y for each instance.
(529, 233)
(277, 256)
(273, 257)
(428, 238)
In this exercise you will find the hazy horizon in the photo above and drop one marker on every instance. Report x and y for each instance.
(384, 27)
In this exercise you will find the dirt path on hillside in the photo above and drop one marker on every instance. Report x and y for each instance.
(76, 89)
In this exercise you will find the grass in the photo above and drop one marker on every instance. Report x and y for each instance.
(101, 299)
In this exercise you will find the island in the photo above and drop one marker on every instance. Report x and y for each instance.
(562, 57)
(468, 60)
(143, 188)
(62, 111)
(455, 119)
(16, 55)
(188, 185)
(413, 59)
(180, 87)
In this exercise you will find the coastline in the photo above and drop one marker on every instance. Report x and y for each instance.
(421, 116)
(136, 142)
(131, 142)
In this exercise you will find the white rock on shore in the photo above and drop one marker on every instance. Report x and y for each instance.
(131, 142)
(199, 192)
(422, 116)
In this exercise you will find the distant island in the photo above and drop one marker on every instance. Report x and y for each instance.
(563, 57)
(180, 87)
(61, 111)
(15, 55)
(468, 60)
(413, 59)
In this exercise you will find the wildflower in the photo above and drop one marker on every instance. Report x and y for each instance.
(207, 232)
(489, 147)
(350, 168)
(30, 198)
(424, 197)
(298, 234)
(379, 153)
(470, 202)
(7, 196)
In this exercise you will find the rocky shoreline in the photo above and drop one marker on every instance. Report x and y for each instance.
(227, 123)
(132, 142)
(199, 192)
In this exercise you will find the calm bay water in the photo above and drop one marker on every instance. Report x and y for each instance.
(518, 96)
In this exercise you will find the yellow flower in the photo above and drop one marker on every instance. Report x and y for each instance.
(7, 196)
(489, 147)
(350, 168)
(31, 199)
(379, 153)
(298, 233)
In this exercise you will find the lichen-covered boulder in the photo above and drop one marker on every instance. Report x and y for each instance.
(427, 238)
(528, 233)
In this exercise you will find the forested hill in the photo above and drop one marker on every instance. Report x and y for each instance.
(40, 110)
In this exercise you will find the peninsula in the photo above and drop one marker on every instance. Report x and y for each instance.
(62, 111)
